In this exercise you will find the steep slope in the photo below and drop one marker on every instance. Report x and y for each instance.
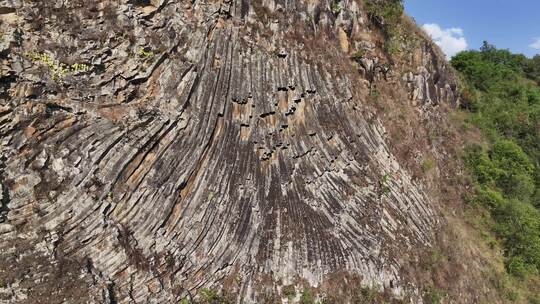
(154, 148)
(503, 100)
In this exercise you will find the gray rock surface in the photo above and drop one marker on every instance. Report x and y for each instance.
(153, 148)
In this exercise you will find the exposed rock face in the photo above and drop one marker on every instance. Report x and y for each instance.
(157, 147)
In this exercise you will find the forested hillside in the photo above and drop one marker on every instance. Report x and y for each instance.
(502, 95)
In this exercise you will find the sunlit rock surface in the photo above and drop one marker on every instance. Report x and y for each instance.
(153, 148)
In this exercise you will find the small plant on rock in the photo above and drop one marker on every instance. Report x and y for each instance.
(289, 291)
(358, 54)
(306, 297)
(57, 69)
(433, 295)
(383, 184)
(145, 52)
(374, 93)
(335, 7)
(427, 165)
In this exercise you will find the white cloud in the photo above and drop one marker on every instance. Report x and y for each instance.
(451, 40)
(535, 44)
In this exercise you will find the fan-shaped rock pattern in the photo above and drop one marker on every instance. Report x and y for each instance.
(174, 145)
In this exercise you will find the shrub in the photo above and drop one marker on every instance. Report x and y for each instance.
(383, 184)
(184, 301)
(516, 266)
(335, 7)
(386, 12)
(427, 164)
(510, 157)
(512, 295)
(368, 295)
(374, 93)
(358, 54)
(483, 169)
(433, 295)
(535, 299)
(289, 291)
(145, 52)
(306, 297)
(209, 296)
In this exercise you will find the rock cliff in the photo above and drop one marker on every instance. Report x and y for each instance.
(151, 149)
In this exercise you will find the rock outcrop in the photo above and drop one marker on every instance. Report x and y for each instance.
(150, 149)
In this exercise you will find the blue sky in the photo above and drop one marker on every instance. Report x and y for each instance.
(464, 24)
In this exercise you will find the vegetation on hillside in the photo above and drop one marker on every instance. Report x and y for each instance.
(502, 94)
(385, 12)
(388, 16)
